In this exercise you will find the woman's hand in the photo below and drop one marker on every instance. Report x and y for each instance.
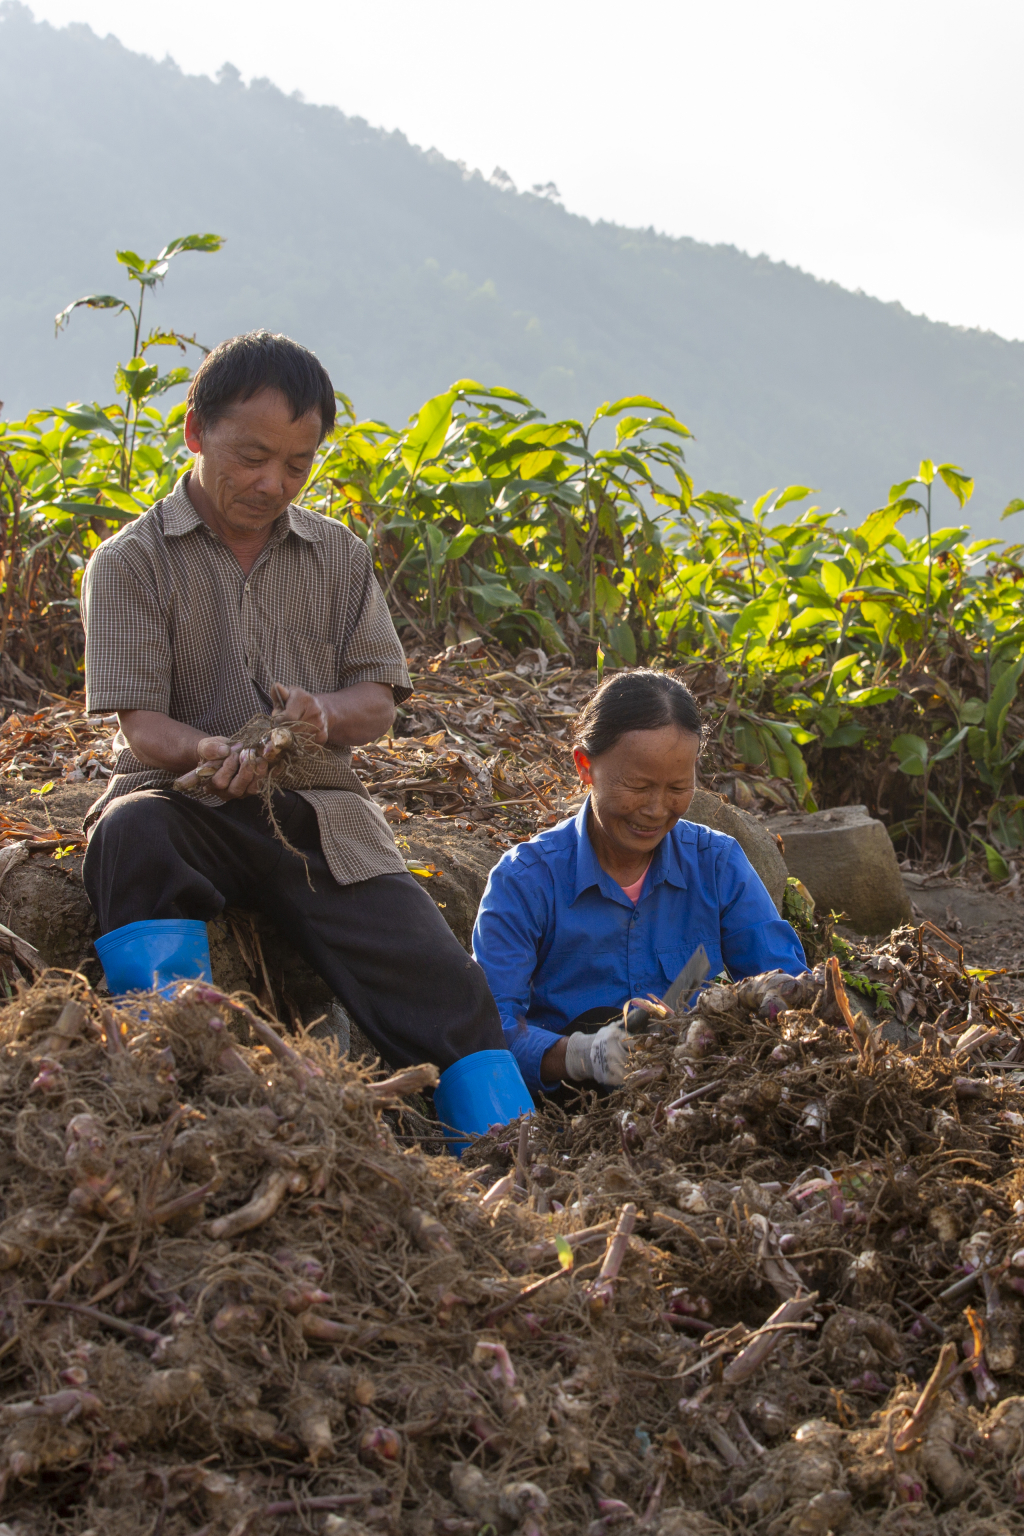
(600, 1058)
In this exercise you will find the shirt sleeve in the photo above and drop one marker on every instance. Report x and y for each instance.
(754, 937)
(371, 651)
(127, 646)
(510, 926)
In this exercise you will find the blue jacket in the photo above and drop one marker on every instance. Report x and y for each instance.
(557, 936)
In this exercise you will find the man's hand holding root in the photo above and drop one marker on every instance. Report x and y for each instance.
(225, 769)
(294, 706)
(239, 771)
(231, 771)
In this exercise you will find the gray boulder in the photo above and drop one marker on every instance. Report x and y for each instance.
(941, 900)
(753, 836)
(847, 862)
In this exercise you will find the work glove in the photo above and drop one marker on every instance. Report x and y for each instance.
(601, 1058)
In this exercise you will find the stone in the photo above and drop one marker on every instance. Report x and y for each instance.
(946, 904)
(757, 842)
(847, 862)
(463, 860)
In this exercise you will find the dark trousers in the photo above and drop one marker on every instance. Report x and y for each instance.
(381, 945)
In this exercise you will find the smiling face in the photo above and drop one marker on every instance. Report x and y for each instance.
(251, 462)
(639, 789)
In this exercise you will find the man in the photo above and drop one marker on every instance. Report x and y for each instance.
(220, 601)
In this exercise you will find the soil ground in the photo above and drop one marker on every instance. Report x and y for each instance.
(43, 900)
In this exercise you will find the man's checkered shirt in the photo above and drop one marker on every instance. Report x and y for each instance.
(174, 625)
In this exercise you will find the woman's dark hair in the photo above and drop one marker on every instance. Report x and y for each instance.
(640, 700)
(243, 366)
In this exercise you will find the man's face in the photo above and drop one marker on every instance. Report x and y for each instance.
(252, 462)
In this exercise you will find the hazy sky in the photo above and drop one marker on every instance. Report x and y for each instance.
(877, 143)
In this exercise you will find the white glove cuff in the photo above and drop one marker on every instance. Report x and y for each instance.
(577, 1057)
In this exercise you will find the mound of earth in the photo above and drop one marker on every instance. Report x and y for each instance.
(771, 1284)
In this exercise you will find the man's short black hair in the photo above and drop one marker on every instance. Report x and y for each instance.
(241, 367)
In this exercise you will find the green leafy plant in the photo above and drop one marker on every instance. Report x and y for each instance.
(138, 380)
(839, 640)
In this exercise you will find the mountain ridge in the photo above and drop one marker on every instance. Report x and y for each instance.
(404, 270)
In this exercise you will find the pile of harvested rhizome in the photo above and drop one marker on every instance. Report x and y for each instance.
(771, 1285)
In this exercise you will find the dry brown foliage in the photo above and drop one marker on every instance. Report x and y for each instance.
(746, 1292)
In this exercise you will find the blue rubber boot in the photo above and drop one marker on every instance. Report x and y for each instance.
(155, 955)
(478, 1092)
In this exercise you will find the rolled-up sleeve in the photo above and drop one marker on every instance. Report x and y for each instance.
(754, 937)
(511, 925)
(128, 662)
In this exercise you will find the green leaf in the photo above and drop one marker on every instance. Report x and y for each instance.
(785, 734)
(847, 735)
(564, 1251)
(425, 438)
(958, 482)
(906, 504)
(171, 380)
(92, 301)
(630, 402)
(877, 526)
(899, 490)
(463, 541)
(1016, 505)
(136, 378)
(1003, 695)
(998, 868)
(832, 579)
(88, 420)
(158, 338)
(911, 753)
(794, 493)
(120, 499)
(620, 636)
(926, 472)
(148, 273)
(860, 698)
(949, 747)
(842, 669)
(191, 243)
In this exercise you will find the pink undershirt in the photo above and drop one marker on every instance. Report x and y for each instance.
(633, 891)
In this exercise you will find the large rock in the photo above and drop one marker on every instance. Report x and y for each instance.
(753, 836)
(847, 862)
(941, 900)
(463, 860)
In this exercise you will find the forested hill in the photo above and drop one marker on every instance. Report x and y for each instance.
(404, 273)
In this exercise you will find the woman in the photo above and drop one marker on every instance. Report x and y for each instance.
(611, 904)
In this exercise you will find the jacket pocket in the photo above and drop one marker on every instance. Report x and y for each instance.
(671, 962)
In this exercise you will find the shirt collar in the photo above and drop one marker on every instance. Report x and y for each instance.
(180, 517)
(665, 864)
